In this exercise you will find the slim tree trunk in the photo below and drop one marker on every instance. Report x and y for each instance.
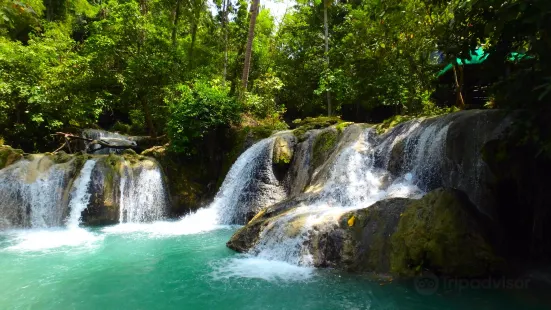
(460, 101)
(192, 46)
(175, 22)
(248, 50)
(225, 25)
(196, 11)
(326, 51)
(148, 119)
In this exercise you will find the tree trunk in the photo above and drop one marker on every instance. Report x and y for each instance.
(460, 101)
(193, 38)
(225, 25)
(196, 10)
(248, 50)
(175, 22)
(326, 52)
(149, 119)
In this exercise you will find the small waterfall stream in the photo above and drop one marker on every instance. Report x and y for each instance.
(249, 184)
(143, 196)
(80, 197)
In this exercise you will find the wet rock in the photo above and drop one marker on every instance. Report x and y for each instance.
(441, 232)
(283, 151)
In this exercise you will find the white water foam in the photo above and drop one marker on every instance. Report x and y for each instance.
(203, 220)
(52, 239)
(247, 266)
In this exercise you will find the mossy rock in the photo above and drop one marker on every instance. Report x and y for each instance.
(324, 144)
(184, 179)
(282, 152)
(103, 208)
(443, 232)
(320, 122)
(9, 155)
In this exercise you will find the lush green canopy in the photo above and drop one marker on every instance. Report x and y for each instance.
(175, 66)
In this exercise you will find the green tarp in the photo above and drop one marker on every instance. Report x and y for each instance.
(478, 57)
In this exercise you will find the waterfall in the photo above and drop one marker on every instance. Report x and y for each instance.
(249, 186)
(80, 196)
(425, 148)
(143, 195)
(36, 192)
(32, 193)
(353, 181)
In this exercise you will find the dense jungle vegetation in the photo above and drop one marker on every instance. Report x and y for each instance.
(185, 68)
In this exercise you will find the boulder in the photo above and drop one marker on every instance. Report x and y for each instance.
(9, 155)
(283, 152)
(441, 232)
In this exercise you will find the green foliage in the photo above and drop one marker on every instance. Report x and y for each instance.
(503, 27)
(429, 110)
(261, 102)
(64, 65)
(197, 110)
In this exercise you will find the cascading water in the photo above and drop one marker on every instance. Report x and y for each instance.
(80, 196)
(48, 234)
(424, 152)
(250, 185)
(353, 181)
(32, 193)
(143, 196)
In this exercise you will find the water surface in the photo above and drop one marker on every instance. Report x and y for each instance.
(167, 266)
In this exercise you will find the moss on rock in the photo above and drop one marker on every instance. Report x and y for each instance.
(283, 152)
(441, 232)
(310, 123)
(9, 155)
(324, 144)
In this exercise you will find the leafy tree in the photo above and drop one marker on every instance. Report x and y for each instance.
(197, 110)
